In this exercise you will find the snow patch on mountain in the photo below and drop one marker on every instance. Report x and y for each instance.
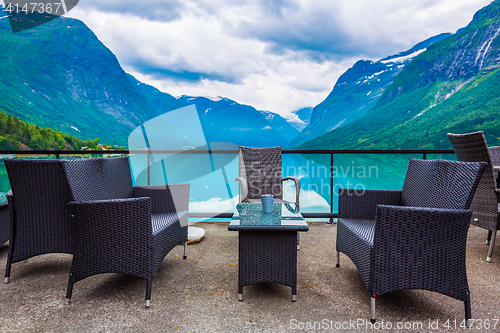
(404, 58)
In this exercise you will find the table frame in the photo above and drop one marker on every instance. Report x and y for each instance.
(268, 251)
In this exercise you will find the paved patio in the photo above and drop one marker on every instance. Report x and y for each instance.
(199, 294)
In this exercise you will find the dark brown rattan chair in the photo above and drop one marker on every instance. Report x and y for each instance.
(4, 223)
(414, 238)
(119, 228)
(260, 172)
(39, 213)
(472, 147)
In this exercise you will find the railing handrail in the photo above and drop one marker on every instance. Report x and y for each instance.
(194, 152)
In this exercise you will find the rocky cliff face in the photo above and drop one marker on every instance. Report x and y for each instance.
(457, 59)
(59, 75)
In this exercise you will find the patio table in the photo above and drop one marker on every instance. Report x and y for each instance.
(267, 244)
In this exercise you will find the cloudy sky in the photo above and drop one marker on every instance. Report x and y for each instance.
(276, 55)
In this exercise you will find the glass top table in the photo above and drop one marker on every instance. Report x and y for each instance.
(267, 244)
(250, 216)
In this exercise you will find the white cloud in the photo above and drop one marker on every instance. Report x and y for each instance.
(274, 55)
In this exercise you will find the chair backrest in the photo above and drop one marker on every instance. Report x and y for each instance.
(440, 183)
(262, 169)
(472, 147)
(99, 178)
(39, 202)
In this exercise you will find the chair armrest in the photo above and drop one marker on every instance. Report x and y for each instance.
(112, 236)
(125, 219)
(362, 204)
(422, 245)
(244, 188)
(297, 188)
(165, 198)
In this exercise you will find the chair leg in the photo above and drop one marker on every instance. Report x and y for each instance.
(338, 259)
(148, 292)
(492, 245)
(7, 268)
(373, 318)
(240, 293)
(7, 272)
(185, 248)
(468, 313)
(69, 292)
(488, 239)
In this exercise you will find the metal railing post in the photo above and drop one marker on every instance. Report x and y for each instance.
(148, 168)
(331, 188)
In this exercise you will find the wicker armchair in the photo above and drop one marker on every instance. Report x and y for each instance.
(39, 213)
(119, 228)
(414, 238)
(472, 147)
(4, 223)
(260, 172)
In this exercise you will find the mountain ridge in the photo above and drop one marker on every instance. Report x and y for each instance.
(451, 87)
(358, 90)
(222, 119)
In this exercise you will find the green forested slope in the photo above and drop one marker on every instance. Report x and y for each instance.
(401, 125)
(15, 134)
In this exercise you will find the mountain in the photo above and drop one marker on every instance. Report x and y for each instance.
(451, 87)
(281, 125)
(358, 90)
(222, 119)
(160, 101)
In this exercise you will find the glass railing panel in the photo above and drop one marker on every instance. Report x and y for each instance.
(359, 171)
(313, 172)
(214, 191)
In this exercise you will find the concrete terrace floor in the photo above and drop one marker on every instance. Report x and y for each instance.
(199, 294)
